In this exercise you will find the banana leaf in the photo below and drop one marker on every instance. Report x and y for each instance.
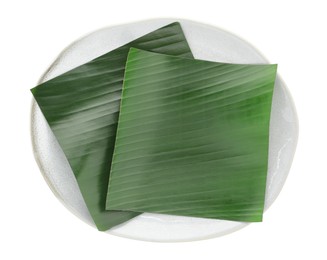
(82, 106)
(192, 138)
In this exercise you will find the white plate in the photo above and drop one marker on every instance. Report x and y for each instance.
(208, 43)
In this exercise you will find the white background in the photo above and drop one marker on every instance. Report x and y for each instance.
(35, 225)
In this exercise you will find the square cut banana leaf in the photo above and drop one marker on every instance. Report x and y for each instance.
(82, 106)
(192, 138)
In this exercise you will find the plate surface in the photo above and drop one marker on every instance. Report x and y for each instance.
(208, 43)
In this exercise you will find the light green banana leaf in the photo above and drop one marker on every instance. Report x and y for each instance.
(192, 138)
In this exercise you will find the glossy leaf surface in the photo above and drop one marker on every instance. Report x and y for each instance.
(192, 138)
(82, 106)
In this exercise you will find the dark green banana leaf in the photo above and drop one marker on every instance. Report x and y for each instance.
(192, 138)
(82, 106)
